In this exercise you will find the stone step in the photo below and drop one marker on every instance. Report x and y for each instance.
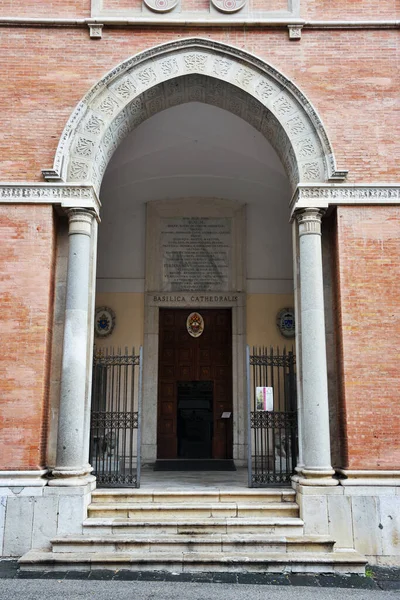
(160, 511)
(192, 497)
(188, 543)
(297, 562)
(287, 526)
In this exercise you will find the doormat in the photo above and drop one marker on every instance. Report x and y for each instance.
(194, 465)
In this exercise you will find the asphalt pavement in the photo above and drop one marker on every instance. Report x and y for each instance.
(115, 585)
(60, 589)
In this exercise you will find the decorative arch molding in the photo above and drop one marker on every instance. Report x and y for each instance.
(195, 70)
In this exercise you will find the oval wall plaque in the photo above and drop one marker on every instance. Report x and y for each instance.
(104, 321)
(161, 5)
(228, 6)
(286, 323)
(195, 324)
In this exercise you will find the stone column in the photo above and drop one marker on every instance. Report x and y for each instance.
(317, 469)
(297, 312)
(72, 465)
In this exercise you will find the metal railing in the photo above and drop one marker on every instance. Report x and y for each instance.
(115, 431)
(272, 416)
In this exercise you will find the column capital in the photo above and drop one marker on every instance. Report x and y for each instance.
(309, 220)
(80, 220)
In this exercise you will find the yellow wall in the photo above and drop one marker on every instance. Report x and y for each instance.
(262, 310)
(129, 320)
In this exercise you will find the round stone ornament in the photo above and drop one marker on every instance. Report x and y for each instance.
(286, 322)
(195, 324)
(104, 321)
(228, 6)
(161, 5)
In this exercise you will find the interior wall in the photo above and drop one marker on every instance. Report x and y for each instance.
(262, 310)
(129, 320)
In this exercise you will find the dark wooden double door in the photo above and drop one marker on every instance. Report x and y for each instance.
(195, 386)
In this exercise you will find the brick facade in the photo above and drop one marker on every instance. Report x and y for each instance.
(26, 298)
(352, 78)
(368, 246)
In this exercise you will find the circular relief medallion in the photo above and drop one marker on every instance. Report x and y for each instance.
(228, 6)
(104, 321)
(161, 5)
(286, 323)
(195, 324)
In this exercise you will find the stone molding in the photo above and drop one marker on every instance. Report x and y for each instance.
(368, 477)
(67, 196)
(325, 195)
(191, 19)
(195, 69)
(34, 478)
(77, 195)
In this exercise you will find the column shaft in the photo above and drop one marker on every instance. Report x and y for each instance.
(316, 438)
(72, 461)
(297, 310)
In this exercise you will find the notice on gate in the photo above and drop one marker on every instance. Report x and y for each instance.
(265, 398)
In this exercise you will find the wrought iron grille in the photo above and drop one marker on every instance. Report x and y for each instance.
(272, 426)
(115, 418)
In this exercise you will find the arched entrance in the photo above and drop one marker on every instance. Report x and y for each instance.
(168, 76)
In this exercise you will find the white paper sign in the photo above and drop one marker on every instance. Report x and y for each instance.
(226, 415)
(265, 398)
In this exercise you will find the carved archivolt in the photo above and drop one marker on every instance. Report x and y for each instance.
(202, 71)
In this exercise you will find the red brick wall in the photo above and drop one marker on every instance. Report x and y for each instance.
(45, 8)
(368, 246)
(350, 10)
(120, 5)
(352, 78)
(356, 10)
(26, 284)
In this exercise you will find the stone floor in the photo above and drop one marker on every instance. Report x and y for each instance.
(193, 480)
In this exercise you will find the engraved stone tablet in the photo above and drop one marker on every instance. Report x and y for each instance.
(196, 253)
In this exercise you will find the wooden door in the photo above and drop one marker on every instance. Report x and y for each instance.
(183, 358)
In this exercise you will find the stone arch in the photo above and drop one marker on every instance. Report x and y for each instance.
(195, 70)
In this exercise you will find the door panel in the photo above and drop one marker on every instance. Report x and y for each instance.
(183, 358)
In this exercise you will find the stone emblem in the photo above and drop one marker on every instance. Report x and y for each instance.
(104, 321)
(228, 6)
(286, 323)
(161, 5)
(195, 324)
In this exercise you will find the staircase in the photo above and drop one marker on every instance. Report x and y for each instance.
(191, 531)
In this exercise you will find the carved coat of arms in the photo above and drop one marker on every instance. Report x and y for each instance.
(195, 324)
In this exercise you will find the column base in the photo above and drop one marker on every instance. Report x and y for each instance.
(317, 477)
(64, 476)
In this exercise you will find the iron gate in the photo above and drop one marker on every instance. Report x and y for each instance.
(272, 425)
(115, 418)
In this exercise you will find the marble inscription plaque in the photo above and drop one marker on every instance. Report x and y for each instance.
(196, 253)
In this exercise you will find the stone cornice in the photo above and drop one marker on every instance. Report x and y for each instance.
(193, 20)
(329, 194)
(61, 194)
